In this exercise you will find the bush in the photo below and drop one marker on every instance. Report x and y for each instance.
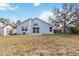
(74, 30)
(57, 31)
(14, 34)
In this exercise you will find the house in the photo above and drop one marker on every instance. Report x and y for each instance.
(34, 26)
(5, 29)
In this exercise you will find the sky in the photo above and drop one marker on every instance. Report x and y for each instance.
(23, 11)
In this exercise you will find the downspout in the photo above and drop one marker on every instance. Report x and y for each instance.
(30, 26)
(4, 32)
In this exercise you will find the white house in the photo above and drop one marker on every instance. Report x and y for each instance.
(5, 29)
(34, 26)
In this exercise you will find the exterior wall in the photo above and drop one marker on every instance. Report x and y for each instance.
(14, 31)
(25, 24)
(1, 31)
(8, 30)
(43, 27)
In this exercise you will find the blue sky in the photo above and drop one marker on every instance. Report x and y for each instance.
(22, 11)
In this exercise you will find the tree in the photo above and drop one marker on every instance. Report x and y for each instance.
(68, 14)
(18, 21)
(13, 23)
(77, 26)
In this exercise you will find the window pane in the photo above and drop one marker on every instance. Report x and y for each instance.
(50, 29)
(25, 29)
(34, 30)
(37, 30)
(22, 29)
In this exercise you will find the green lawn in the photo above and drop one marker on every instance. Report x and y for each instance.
(43, 45)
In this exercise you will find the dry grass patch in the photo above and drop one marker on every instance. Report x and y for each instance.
(43, 45)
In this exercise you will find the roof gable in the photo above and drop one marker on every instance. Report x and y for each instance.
(34, 19)
(7, 25)
(24, 21)
(41, 21)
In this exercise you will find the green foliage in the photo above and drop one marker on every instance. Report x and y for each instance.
(77, 27)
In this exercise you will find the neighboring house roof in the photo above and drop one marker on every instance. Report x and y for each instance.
(34, 19)
(7, 25)
(4, 22)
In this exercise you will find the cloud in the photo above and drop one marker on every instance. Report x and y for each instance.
(6, 6)
(45, 15)
(36, 4)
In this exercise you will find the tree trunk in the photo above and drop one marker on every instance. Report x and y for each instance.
(64, 27)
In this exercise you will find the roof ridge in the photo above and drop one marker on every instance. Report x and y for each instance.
(33, 19)
(24, 21)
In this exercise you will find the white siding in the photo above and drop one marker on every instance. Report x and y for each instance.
(4, 31)
(1, 31)
(8, 26)
(43, 27)
(25, 24)
(8, 30)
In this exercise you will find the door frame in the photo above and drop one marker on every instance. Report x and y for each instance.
(36, 30)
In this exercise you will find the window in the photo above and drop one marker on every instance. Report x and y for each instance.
(25, 29)
(22, 29)
(50, 29)
(24, 33)
(36, 30)
(35, 24)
